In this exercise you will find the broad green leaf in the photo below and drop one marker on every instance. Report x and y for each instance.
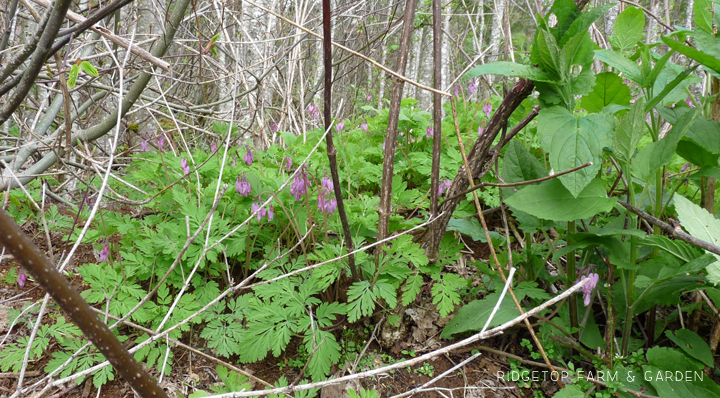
(628, 29)
(474, 315)
(572, 141)
(692, 344)
(566, 12)
(704, 132)
(630, 131)
(550, 200)
(89, 69)
(696, 385)
(578, 51)
(691, 267)
(703, 15)
(707, 60)
(609, 89)
(696, 155)
(702, 225)
(669, 87)
(520, 165)
(570, 391)
(509, 69)
(671, 359)
(549, 54)
(683, 251)
(669, 292)
(72, 78)
(707, 42)
(628, 68)
(583, 22)
(657, 154)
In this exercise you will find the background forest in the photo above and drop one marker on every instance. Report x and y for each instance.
(359, 199)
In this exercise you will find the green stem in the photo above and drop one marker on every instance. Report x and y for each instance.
(570, 277)
(631, 274)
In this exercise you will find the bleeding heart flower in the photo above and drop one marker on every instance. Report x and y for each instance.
(429, 132)
(248, 157)
(104, 253)
(213, 147)
(288, 164)
(161, 141)
(364, 127)
(487, 108)
(472, 87)
(242, 186)
(481, 130)
(21, 278)
(144, 146)
(184, 166)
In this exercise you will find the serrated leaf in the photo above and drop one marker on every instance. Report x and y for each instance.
(630, 131)
(88, 68)
(669, 88)
(702, 225)
(707, 60)
(628, 29)
(628, 68)
(509, 69)
(692, 344)
(361, 300)
(325, 353)
(659, 153)
(609, 89)
(683, 251)
(583, 22)
(72, 78)
(520, 165)
(550, 200)
(702, 11)
(572, 141)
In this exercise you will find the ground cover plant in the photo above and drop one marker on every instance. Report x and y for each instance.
(557, 201)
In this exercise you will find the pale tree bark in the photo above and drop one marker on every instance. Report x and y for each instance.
(497, 35)
(689, 14)
(652, 30)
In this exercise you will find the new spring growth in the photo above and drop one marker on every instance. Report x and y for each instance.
(185, 167)
(300, 184)
(248, 157)
(326, 205)
(242, 186)
(487, 108)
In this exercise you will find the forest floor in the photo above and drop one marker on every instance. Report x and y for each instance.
(190, 372)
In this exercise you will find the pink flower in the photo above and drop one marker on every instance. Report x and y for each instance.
(273, 127)
(684, 167)
(288, 164)
(472, 87)
(184, 166)
(457, 91)
(234, 163)
(587, 288)
(369, 97)
(364, 127)
(271, 213)
(21, 278)
(242, 187)
(429, 132)
(300, 185)
(144, 146)
(445, 185)
(161, 141)
(487, 108)
(313, 111)
(339, 127)
(104, 253)
(248, 157)
(481, 130)
(213, 147)
(690, 103)
(327, 184)
(395, 149)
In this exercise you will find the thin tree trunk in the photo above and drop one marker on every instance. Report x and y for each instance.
(393, 118)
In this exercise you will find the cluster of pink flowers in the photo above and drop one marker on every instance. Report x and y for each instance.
(326, 205)
(262, 212)
(248, 157)
(487, 108)
(185, 167)
(472, 87)
(339, 126)
(444, 186)
(314, 112)
(288, 164)
(242, 186)
(300, 185)
(587, 288)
